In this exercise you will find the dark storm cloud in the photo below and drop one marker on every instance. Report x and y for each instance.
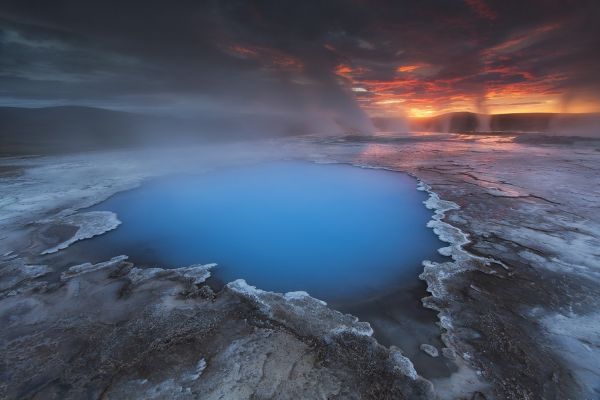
(295, 57)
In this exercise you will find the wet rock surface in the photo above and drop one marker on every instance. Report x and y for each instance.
(107, 330)
(517, 305)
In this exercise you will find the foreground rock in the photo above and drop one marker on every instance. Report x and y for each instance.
(110, 330)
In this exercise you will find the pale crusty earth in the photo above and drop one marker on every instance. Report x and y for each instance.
(518, 305)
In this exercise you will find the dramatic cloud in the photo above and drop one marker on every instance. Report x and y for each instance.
(332, 60)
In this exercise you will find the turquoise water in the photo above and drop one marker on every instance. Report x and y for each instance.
(335, 231)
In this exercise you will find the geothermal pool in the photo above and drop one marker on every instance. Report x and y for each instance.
(335, 231)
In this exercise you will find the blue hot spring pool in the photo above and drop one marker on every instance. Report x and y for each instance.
(335, 231)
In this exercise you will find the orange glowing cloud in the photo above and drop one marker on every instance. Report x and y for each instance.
(343, 70)
(349, 73)
(407, 68)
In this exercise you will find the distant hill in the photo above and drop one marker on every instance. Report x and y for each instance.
(70, 129)
(575, 124)
(64, 128)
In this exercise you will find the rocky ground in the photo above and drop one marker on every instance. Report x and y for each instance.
(517, 305)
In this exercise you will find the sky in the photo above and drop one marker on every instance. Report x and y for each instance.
(335, 60)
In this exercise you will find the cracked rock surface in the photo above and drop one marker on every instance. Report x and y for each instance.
(104, 331)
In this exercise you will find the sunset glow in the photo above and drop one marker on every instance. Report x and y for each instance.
(392, 58)
(506, 88)
(526, 68)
